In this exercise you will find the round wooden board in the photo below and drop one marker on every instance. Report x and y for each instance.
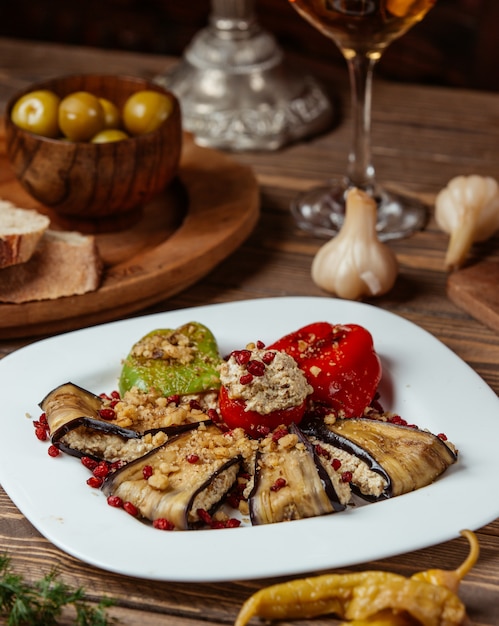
(184, 233)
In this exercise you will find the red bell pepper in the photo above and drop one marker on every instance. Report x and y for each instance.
(339, 362)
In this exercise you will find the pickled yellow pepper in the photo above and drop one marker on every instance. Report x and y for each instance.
(373, 598)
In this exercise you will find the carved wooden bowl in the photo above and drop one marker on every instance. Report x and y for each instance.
(95, 187)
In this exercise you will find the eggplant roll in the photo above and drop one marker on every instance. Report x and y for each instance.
(77, 428)
(290, 483)
(383, 458)
(192, 471)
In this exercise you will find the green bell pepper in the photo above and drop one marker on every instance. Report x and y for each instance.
(175, 362)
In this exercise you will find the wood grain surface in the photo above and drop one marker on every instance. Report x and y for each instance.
(475, 289)
(183, 234)
(422, 137)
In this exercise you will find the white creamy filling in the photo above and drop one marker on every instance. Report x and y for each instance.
(112, 447)
(365, 479)
(282, 385)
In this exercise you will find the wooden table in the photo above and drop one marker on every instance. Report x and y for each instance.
(422, 137)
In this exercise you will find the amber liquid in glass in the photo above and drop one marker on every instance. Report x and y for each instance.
(363, 26)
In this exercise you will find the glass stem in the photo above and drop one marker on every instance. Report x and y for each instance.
(360, 169)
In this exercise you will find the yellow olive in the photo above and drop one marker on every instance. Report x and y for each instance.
(109, 134)
(81, 116)
(145, 111)
(112, 116)
(36, 112)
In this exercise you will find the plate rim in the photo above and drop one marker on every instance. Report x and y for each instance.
(314, 560)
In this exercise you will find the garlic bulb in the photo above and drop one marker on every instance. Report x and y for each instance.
(355, 263)
(468, 210)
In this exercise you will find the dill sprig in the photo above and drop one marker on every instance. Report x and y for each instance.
(42, 603)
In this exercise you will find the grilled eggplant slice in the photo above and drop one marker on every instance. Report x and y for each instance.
(192, 471)
(384, 458)
(290, 483)
(77, 428)
(68, 402)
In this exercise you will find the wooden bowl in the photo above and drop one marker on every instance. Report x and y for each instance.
(95, 187)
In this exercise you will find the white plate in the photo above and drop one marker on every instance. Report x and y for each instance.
(423, 381)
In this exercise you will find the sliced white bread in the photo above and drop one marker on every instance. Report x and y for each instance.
(63, 264)
(20, 232)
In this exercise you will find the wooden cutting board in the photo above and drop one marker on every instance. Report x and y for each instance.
(184, 233)
(476, 290)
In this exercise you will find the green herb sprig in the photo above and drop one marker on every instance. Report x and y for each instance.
(42, 603)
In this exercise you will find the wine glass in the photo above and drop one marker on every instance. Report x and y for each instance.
(361, 29)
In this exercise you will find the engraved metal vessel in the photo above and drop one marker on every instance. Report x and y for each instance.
(236, 90)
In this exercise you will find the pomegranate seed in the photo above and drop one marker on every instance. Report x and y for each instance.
(94, 482)
(323, 452)
(192, 458)
(53, 451)
(194, 404)
(131, 509)
(175, 398)
(89, 463)
(242, 356)
(346, 477)
(41, 424)
(147, 471)
(216, 524)
(336, 464)
(115, 395)
(262, 430)
(115, 501)
(101, 470)
(396, 419)
(43, 419)
(104, 396)
(163, 524)
(246, 379)
(213, 415)
(279, 433)
(268, 357)
(279, 484)
(260, 345)
(41, 433)
(107, 414)
(115, 465)
(113, 403)
(233, 500)
(204, 516)
(232, 523)
(256, 368)
(242, 483)
(442, 436)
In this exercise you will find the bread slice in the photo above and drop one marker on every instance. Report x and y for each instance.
(63, 264)
(20, 232)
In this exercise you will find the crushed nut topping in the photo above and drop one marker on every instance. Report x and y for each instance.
(173, 347)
